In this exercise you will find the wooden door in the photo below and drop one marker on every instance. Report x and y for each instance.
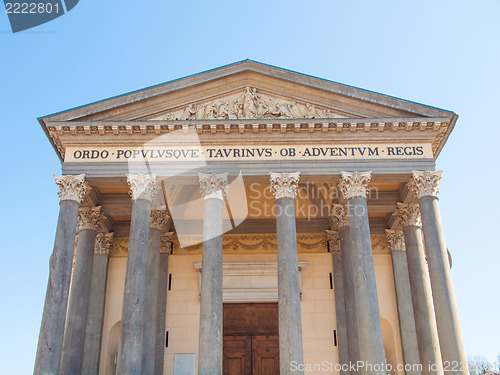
(237, 359)
(251, 341)
(265, 355)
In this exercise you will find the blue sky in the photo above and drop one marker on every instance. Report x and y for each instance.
(445, 54)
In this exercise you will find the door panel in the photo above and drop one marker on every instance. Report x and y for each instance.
(265, 355)
(237, 355)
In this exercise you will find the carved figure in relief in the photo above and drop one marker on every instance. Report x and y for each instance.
(189, 112)
(311, 111)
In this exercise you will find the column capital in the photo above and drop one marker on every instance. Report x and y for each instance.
(284, 185)
(159, 218)
(355, 184)
(340, 215)
(91, 218)
(142, 186)
(425, 183)
(103, 242)
(72, 187)
(408, 214)
(166, 243)
(213, 185)
(333, 240)
(396, 240)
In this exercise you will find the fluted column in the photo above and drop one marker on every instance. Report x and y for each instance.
(213, 189)
(142, 191)
(338, 283)
(95, 316)
(158, 224)
(90, 220)
(72, 190)
(408, 216)
(354, 188)
(166, 246)
(425, 187)
(395, 238)
(284, 188)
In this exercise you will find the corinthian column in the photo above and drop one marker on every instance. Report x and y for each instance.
(72, 189)
(341, 218)
(425, 187)
(338, 282)
(284, 188)
(403, 299)
(166, 248)
(90, 220)
(423, 309)
(158, 224)
(371, 346)
(142, 191)
(213, 188)
(95, 316)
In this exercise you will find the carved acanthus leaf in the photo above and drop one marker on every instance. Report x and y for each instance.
(159, 218)
(91, 218)
(142, 186)
(333, 240)
(396, 239)
(284, 185)
(249, 104)
(425, 183)
(213, 185)
(103, 242)
(72, 187)
(340, 215)
(166, 243)
(408, 214)
(355, 184)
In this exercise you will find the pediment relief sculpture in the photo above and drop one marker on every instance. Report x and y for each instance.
(249, 105)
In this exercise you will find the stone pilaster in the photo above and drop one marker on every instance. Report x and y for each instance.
(166, 246)
(395, 238)
(213, 188)
(142, 191)
(95, 315)
(338, 288)
(72, 190)
(158, 224)
(340, 217)
(408, 215)
(354, 188)
(424, 184)
(90, 220)
(284, 188)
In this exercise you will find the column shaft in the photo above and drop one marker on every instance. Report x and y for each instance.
(448, 323)
(348, 264)
(371, 345)
(49, 348)
(425, 321)
(210, 339)
(132, 324)
(161, 314)
(290, 326)
(76, 321)
(340, 309)
(95, 316)
(151, 301)
(405, 310)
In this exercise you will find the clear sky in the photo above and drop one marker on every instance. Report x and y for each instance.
(442, 53)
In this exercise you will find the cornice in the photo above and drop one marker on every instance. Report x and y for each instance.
(439, 126)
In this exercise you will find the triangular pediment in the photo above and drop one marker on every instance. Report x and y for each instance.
(247, 90)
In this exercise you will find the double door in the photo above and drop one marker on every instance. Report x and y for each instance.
(251, 341)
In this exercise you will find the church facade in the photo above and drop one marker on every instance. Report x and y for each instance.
(250, 220)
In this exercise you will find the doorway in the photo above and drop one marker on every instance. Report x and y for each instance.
(251, 340)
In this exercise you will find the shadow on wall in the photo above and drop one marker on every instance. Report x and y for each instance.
(113, 345)
(389, 346)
